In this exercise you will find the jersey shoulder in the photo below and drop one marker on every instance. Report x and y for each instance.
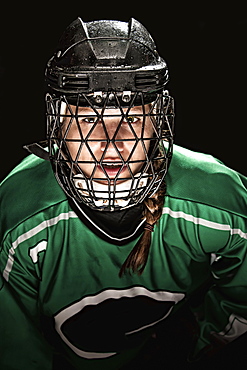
(204, 179)
(30, 188)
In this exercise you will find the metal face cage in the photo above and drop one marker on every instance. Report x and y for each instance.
(111, 149)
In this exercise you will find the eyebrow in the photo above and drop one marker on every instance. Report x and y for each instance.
(88, 110)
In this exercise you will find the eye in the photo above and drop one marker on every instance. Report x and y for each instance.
(89, 119)
(131, 119)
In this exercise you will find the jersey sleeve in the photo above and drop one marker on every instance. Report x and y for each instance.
(222, 317)
(209, 203)
(19, 316)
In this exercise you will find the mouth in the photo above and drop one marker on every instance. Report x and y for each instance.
(112, 169)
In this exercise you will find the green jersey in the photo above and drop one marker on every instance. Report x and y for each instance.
(60, 290)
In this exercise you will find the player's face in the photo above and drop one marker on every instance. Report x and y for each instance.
(98, 133)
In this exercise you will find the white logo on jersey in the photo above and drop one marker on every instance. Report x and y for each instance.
(167, 298)
(40, 247)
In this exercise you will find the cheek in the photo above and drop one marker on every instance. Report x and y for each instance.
(149, 128)
(73, 139)
(148, 134)
(81, 151)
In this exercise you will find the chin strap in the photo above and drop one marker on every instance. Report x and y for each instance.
(37, 150)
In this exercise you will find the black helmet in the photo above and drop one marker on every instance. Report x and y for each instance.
(106, 65)
(103, 55)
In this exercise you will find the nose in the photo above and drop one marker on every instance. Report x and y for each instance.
(111, 149)
(113, 142)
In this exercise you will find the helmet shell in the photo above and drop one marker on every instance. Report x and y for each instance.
(106, 55)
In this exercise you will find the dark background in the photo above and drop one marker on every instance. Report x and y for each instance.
(204, 46)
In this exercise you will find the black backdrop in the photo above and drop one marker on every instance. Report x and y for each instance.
(204, 46)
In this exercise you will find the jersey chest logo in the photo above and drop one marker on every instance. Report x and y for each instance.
(99, 326)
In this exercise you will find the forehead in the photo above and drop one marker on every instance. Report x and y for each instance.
(112, 111)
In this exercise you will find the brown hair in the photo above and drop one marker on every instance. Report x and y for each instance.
(137, 259)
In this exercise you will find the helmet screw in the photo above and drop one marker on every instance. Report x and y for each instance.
(98, 97)
(126, 96)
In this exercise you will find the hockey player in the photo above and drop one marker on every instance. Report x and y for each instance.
(94, 258)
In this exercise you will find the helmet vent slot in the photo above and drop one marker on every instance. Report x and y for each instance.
(78, 81)
(69, 82)
(143, 81)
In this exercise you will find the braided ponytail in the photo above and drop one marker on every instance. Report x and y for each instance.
(137, 259)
